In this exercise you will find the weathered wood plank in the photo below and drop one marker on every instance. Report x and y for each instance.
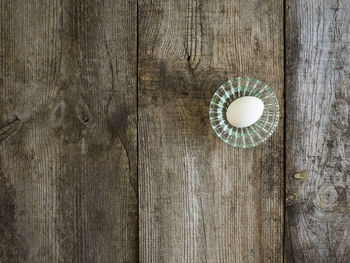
(318, 134)
(68, 188)
(202, 200)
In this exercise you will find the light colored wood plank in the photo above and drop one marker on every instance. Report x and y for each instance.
(318, 134)
(200, 199)
(68, 187)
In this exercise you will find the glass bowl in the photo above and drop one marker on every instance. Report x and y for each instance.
(255, 134)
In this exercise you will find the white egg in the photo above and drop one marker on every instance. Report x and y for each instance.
(245, 111)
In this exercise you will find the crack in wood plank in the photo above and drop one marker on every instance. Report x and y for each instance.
(194, 34)
(132, 182)
(204, 231)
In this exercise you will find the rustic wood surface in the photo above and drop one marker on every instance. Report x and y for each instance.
(68, 182)
(317, 131)
(201, 200)
(107, 154)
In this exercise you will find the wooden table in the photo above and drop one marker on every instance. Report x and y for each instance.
(107, 154)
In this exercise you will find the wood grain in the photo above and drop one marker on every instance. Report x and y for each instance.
(68, 183)
(318, 134)
(200, 199)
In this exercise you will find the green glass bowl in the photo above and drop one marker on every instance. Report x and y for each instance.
(255, 134)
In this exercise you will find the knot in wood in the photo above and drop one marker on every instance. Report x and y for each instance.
(9, 127)
(301, 176)
(291, 198)
(327, 196)
(70, 117)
